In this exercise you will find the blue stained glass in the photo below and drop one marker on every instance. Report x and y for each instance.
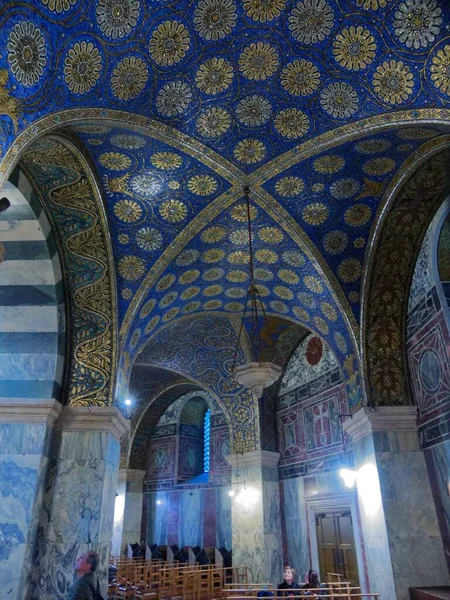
(206, 440)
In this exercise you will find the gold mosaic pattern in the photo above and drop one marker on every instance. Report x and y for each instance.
(91, 371)
(389, 276)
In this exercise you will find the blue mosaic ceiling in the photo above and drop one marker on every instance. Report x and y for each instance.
(217, 93)
(249, 78)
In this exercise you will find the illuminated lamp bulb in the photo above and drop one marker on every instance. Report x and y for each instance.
(348, 476)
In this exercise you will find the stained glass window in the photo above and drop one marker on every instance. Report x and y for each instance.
(206, 440)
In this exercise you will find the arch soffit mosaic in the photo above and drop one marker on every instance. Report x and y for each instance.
(64, 183)
(408, 208)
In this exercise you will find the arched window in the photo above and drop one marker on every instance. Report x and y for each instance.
(206, 440)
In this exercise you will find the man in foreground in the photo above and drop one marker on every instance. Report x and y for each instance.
(86, 588)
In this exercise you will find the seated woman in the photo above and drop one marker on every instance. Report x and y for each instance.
(288, 583)
(312, 583)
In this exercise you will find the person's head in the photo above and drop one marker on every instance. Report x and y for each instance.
(86, 563)
(313, 579)
(288, 574)
(4, 204)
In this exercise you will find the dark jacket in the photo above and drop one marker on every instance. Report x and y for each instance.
(283, 588)
(84, 588)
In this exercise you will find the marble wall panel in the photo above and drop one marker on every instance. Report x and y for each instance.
(438, 464)
(191, 519)
(173, 517)
(398, 520)
(158, 518)
(169, 523)
(414, 537)
(256, 529)
(209, 517)
(55, 580)
(23, 464)
(248, 536)
(119, 509)
(77, 510)
(131, 533)
(223, 518)
(296, 526)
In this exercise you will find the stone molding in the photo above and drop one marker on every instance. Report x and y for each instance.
(94, 418)
(30, 410)
(131, 475)
(256, 458)
(382, 418)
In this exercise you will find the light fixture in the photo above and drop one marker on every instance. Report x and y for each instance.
(368, 485)
(247, 496)
(128, 402)
(369, 488)
(256, 374)
(348, 476)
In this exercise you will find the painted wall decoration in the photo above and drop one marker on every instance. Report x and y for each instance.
(428, 338)
(300, 370)
(309, 413)
(427, 346)
(78, 219)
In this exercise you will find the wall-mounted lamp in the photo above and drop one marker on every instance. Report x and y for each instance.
(368, 483)
(128, 404)
(348, 476)
(247, 496)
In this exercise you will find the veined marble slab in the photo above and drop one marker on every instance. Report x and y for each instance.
(22, 231)
(28, 318)
(27, 272)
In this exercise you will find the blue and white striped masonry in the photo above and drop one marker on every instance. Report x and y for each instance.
(32, 314)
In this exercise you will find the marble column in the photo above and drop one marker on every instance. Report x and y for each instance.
(128, 510)
(255, 514)
(398, 518)
(26, 431)
(78, 504)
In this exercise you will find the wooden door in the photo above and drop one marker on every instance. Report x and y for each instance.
(336, 545)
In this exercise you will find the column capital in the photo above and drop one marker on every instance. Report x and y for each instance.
(131, 475)
(30, 410)
(94, 418)
(256, 458)
(382, 418)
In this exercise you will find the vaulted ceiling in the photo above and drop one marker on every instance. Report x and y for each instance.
(318, 105)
